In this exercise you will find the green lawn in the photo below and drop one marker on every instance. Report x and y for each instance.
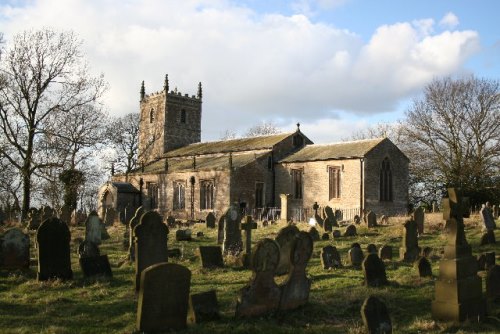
(101, 306)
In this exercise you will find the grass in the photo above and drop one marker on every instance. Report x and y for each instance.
(109, 306)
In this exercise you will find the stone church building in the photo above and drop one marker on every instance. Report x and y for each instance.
(186, 178)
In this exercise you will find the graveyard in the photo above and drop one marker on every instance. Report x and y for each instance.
(109, 303)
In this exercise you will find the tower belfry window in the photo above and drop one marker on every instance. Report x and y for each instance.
(183, 116)
(151, 115)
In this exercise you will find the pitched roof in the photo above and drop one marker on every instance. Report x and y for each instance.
(226, 146)
(344, 150)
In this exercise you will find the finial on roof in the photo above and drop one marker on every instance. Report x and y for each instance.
(200, 92)
(165, 84)
(298, 126)
(143, 90)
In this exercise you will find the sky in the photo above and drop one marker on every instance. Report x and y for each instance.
(334, 66)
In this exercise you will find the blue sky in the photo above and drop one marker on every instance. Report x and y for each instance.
(335, 66)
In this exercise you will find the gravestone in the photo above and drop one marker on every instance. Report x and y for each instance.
(493, 284)
(371, 219)
(371, 248)
(317, 217)
(47, 212)
(350, 231)
(220, 230)
(96, 266)
(163, 298)
(285, 239)
(325, 236)
(423, 267)
(330, 257)
(487, 216)
(419, 218)
(330, 220)
(385, 252)
(232, 232)
(489, 260)
(355, 255)
(93, 229)
(34, 219)
(131, 237)
(183, 235)
(338, 215)
(314, 233)
(211, 257)
(65, 215)
(336, 234)
(53, 238)
(88, 248)
(488, 238)
(374, 271)
(15, 249)
(210, 220)
(357, 219)
(203, 307)
(375, 316)
(265, 223)
(295, 290)
(409, 251)
(458, 290)
(248, 226)
(261, 296)
(495, 211)
(171, 221)
(151, 237)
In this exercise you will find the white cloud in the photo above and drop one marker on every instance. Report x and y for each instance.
(450, 21)
(311, 7)
(253, 67)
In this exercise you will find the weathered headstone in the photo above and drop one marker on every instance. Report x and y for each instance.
(53, 248)
(285, 239)
(409, 251)
(493, 283)
(151, 237)
(88, 248)
(183, 235)
(371, 248)
(248, 226)
(131, 237)
(211, 257)
(220, 230)
(423, 267)
(419, 218)
(355, 255)
(15, 249)
(93, 228)
(261, 295)
(371, 219)
(487, 238)
(374, 271)
(458, 290)
(65, 215)
(232, 231)
(330, 219)
(350, 231)
(336, 234)
(385, 252)
(330, 257)
(170, 221)
(314, 233)
(210, 220)
(96, 266)
(163, 298)
(203, 307)
(295, 290)
(487, 216)
(375, 316)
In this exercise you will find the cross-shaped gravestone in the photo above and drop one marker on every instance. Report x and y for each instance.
(315, 208)
(455, 208)
(248, 226)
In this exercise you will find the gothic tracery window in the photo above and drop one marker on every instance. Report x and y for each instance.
(207, 195)
(179, 195)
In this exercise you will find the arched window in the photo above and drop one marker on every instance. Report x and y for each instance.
(179, 195)
(207, 195)
(386, 181)
(151, 115)
(183, 116)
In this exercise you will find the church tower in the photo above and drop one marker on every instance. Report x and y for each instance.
(168, 120)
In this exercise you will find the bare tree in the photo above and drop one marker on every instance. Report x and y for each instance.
(228, 135)
(44, 73)
(263, 129)
(123, 133)
(453, 135)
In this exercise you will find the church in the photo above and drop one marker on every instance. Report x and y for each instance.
(281, 175)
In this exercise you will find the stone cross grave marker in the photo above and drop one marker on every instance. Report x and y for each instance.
(423, 267)
(15, 249)
(295, 290)
(330, 257)
(317, 217)
(210, 220)
(371, 219)
(419, 218)
(53, 248)
(458, 289)
(409, 251)
(211, 257)
(375, 316)
(151, 237)
(232, 232)
(203, 307)
(131, 237)
(285, 239)
(163, 298)
(261, 296)
(374, 271)
(248, 226)
(93, 229)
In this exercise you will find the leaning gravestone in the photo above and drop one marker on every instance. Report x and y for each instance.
(350, 231)
(375, 316)
(129, 232)
(210, 220)
(371, 219)
(409, 251)
(458, 290)
(211, 257)
(203, 307)
(419, 218)
(374, 271)
(93, 229)
(330, 257)
(53, 248)
(385, 252)
(163, 298)
(261, 296)
(493, 283)
(285, 239)
(295, 290)
(423, 267)
(355, 255)
(151, 237)
(15, 249)
(487, 216)
(232, 232)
